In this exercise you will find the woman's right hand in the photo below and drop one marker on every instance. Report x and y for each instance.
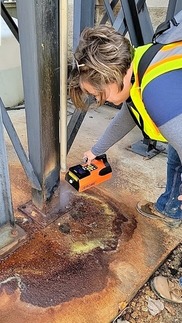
(88, 157)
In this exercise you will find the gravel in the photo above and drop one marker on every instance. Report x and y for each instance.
(138, 311)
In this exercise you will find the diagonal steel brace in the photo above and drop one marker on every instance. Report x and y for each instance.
(19, 149)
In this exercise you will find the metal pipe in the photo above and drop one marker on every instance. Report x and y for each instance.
(63, 30)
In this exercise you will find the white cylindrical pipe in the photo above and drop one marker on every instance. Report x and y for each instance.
(63, 27)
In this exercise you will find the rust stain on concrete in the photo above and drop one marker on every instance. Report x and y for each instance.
(55, 267)
(45, 277)
(79, 267)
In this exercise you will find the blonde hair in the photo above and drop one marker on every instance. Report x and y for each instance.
(103, 56)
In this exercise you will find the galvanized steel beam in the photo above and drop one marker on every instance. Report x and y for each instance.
(132, 16)
(6, 209)
(174, 7)
(39, 34)
(139, 32)
(19, 148)
(73, 126)
(117, 21)
(84, 14)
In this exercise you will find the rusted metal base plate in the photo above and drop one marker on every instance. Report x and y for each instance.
(60, 203)
(11, 238)
(84, 265)
(40, 218)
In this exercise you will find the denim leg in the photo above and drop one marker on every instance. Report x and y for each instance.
(168, 203)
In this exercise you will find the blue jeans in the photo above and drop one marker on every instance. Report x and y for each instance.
(168, 203)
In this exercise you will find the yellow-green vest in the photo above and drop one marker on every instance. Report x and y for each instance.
(169, 62)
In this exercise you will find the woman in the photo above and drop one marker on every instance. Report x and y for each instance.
(106, 67)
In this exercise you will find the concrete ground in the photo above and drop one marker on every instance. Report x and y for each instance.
(91, 270)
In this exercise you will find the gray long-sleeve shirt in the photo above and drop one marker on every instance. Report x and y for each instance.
(120, 125)
(163, 100)
(123, 123)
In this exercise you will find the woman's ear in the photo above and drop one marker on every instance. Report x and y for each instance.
(128, 76)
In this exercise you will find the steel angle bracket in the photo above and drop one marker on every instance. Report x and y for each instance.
(39, 217)
(148, 149)
(42, 218)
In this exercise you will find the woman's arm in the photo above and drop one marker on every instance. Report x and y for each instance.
(120, 125)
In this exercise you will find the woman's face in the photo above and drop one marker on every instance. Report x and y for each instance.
(112, 93)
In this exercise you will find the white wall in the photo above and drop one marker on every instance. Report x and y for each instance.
(11, 87)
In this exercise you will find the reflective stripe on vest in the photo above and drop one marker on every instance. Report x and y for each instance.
(172, 61)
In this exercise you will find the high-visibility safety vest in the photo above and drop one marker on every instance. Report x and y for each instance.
(170, 59)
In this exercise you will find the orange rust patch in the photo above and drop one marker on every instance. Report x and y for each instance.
(54, 267)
